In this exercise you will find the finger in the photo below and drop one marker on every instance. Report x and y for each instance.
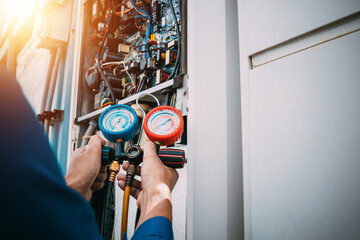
(97, 186)
(121, 176)
(101, 177)
(135, 183)
(121, 184)
(125, 165)
(79, 150)
(133, 190)
(103, 169)
(138, 169)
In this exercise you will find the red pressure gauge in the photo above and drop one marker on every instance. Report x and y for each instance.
(164, 125)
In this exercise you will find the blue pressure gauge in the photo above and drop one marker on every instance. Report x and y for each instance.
(118, 122)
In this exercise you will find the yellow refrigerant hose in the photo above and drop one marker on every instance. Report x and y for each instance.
(130, 174)
(125, 210)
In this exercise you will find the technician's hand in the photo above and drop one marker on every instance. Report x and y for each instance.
(153, 193)
(85, 173)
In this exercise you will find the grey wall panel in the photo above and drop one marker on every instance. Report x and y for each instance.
(271, 22)
(304, 140)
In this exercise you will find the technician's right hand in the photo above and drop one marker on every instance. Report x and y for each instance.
(153, 192)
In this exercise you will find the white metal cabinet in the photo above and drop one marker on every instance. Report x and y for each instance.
(304, 137)
(271, 22)
(300, 124)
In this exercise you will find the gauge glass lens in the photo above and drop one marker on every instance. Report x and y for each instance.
(163, 122)
(117, 120)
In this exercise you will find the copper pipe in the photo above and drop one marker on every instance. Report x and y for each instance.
(47, 125)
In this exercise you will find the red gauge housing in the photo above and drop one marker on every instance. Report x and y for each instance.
(166, 139)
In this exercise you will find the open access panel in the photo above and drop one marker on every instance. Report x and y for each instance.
(127, 49)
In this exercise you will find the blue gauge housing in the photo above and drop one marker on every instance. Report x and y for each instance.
(119, 121)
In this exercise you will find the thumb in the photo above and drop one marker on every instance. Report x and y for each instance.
(95, 140)
(150, 153)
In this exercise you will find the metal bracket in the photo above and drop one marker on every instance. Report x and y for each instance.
(179, 81)
(55, 116)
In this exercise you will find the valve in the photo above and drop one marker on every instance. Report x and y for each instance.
(170, 157)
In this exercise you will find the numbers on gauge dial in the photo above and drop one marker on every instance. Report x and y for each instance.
(118, 120)
(163, 122)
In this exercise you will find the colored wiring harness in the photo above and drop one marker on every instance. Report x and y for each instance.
(177, 62)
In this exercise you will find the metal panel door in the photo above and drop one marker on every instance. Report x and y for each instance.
(301, 119)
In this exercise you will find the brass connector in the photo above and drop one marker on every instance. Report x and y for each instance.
(130, 174)
(114, 170)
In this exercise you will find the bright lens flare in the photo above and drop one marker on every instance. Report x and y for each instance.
(14, 9)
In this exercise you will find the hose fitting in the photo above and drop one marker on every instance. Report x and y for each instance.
(130, 174)
(114, 170)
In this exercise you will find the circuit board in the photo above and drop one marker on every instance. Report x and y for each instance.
(139, 46)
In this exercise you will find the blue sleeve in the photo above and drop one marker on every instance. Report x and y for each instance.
(154, 228)
(35, 200)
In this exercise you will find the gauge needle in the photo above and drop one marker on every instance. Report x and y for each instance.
(162, 124)
(119, 120)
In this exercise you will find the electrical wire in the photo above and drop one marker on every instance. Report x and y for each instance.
(106, 104)
(139, 10)
(105, 80)
(132, 80)
(126, 11)
(98, 62)
(142, 110)
(173, 100)
(148, 29)
(142, 85)
(176, 69)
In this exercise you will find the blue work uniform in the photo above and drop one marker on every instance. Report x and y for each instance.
(35, 202)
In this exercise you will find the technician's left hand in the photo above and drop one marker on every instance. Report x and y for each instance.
(85, 173)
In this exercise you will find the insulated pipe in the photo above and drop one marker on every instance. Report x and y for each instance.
(52, 86)
(53, 79)
(47, 83)
(89, 132)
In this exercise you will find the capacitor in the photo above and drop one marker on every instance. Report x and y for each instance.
(151, 64)
(134, 67)
(93, 80)
(143, 64)
(115, 82)
(117, 93)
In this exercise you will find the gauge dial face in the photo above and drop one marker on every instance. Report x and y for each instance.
(117, 120)
(163, 122)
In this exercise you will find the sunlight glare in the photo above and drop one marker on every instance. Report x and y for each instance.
(16, 8)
